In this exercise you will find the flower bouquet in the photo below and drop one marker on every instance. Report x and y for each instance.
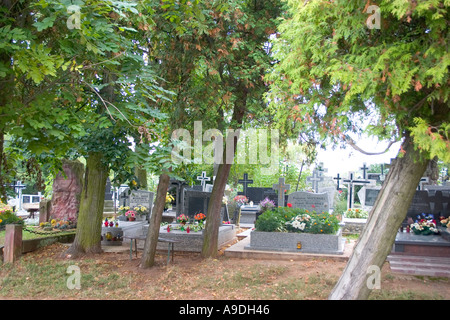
(141, 210)
(445, 222)
(131, 215)
(424, 227)
(182, 219)
(240, 200)
(200, 217)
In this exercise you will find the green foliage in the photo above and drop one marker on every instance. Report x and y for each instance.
(337, 76)
(356, 213)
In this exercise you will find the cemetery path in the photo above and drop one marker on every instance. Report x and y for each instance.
(112, 275)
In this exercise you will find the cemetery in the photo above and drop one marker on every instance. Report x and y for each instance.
(189, 150)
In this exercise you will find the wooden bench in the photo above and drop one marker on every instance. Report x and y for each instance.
(143, 237)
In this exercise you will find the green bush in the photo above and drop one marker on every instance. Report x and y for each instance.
(285, 219)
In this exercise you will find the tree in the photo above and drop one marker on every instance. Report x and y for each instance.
(336, 71)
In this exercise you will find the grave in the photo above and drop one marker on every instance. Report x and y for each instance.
(310, 201)
(297, 242)
(135, 198)
(315, 179)
(203, 178)
(351, 182)
(368, 195)
(179, 194)
(245, 182)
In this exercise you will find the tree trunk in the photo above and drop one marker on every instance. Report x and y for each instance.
(378, 236)
(89, 225)
(148, 256)
(211, 233)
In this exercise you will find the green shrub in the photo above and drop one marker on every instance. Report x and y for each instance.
(284, 219)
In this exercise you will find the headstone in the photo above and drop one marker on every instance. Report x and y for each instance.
(108, 190)
(419, 204)
(143, 198)
(257, 194)
(179, 194)
(67, 191)
(439, 203)
(281, 188)
(330, 191)
(314, 180)
(245, 182)
(203, 178)
(44, 210)
(310, 201)
(13, 243)
(368, 195)
(196, 201)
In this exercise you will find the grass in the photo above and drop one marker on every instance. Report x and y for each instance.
(26, 235)
(43, 275)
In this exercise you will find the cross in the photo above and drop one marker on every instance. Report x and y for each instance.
(351, 182)
(423, 180)
(125, 195)
(203, 178)
(18, 186)
(245, 182)
(281, 188)
(321, 169)
(337, 179)
(315, 179)
(364, 168)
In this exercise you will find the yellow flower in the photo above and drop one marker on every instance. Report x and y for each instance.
(1, 220)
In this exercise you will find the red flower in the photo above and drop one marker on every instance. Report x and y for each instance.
(289, 205)
(313, 206)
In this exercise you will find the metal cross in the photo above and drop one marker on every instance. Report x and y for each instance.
(337, 179)
(245, 182)
(364, 168)
(351, 182)
(203, 178)
(281, 187)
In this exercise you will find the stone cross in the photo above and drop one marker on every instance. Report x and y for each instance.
(321, 169)
(338, 178)
(364, 168)
(281, 187)
(351, 182)
(245, 182)
(203, 178)
(314, 180)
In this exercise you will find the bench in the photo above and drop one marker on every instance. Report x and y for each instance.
(143, 237)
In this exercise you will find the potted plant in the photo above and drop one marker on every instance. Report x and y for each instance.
(200, 218)
(131, 215)
(182, 219)
(122, 211)
(141, 212)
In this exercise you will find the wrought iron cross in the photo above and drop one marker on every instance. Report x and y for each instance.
(351, 182)
(245, 182)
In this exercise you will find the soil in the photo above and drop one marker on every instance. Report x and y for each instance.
(190, 276)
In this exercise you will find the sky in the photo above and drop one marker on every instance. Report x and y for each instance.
(343, 161)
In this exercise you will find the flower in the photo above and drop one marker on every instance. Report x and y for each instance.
(200, 216)
(130, 213)
(424, 227)
(182, 218)
(141, 210)
(241, 200)
(289, 205)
